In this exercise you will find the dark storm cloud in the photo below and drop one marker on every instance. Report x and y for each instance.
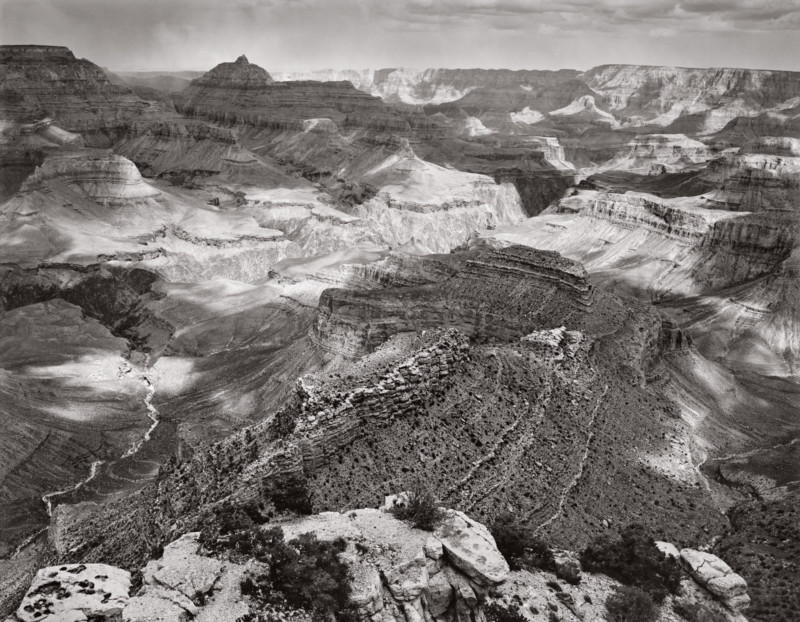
(307, 34)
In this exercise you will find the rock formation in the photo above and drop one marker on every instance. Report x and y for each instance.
(104, 178)
(48, 81)
(461, 291)
(717, 577)
(76, 592)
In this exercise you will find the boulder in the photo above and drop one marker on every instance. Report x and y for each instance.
(75, 592)
(470, 547)
(717, 577)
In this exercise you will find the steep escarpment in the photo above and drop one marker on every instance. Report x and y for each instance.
(641, 95)
(668, 247)
(48, 81)
(539, 289)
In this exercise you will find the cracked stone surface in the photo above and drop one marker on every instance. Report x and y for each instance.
(75, 592)
(183, 583)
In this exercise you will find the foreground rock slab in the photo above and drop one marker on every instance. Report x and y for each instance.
(717, 577)
(75, 592)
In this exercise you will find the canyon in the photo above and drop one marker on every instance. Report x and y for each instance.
(520, 287)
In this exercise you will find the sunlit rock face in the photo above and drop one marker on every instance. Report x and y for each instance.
(641, 95)
(43, 81)
(105, 178)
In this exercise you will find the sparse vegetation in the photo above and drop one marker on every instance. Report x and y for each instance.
(697, 612)
(634, 560)
(289, 492)
(496, 612)
(422, 509)
(304, 573)
(631, 604)
(518, 546)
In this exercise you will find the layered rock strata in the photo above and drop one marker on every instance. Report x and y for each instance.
(48, 81)
(461, 291)
(105, 178)
(643, 95)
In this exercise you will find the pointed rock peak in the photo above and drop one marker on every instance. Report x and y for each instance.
(241, 74)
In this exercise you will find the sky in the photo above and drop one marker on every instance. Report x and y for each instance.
(302, 35)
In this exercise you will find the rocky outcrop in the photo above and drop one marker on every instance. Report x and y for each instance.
(717, 577)
(48, 81)
(75, 593)
(504, 293)
(327, 418)
(396, 573)
(104, 178)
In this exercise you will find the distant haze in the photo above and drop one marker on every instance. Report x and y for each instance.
(300, 35)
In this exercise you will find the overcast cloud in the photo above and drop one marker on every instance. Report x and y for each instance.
(312, 34)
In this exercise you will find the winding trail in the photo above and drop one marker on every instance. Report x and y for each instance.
(47, 499)
(152, 414)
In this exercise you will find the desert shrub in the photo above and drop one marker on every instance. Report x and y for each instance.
(289, 492)
(220, 524)
(569, 572)
(496, 612)
(697, 612)
(631, 604)
(634, 560)
(309, 574)
(304, 573)
(422, 509)
(518, 546)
